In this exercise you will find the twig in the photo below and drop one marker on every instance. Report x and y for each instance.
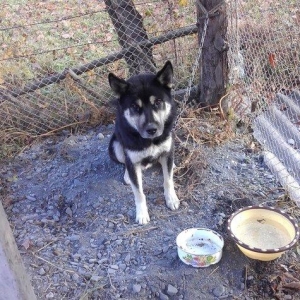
(212, 272)
(52, 264)
(90, 291)
(48, 287)
(78, 80)
(45, 246)
(220, 105)
(58, 129)
(111, 282)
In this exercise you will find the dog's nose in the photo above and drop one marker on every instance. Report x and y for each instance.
(151, 131)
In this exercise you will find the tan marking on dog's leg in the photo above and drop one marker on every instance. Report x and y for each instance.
(172, 200)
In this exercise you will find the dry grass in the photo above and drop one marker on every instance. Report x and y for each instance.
(196, 127)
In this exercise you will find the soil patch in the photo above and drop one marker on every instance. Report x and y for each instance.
(73, 220)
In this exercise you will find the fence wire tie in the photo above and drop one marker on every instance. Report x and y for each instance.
(211, 13)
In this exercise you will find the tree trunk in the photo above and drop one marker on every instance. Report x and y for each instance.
(213, 63)
(128, 24)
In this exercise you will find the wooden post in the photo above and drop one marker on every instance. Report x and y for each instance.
(213, 62)
(14, 282)
(129, 27)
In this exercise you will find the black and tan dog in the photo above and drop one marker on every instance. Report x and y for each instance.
(143, 132)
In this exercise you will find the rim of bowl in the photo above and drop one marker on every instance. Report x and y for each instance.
(260, 250)
(206, 229)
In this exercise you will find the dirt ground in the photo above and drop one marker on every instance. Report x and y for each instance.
(73, 220)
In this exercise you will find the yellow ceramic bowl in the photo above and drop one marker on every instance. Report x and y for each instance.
(262, 232)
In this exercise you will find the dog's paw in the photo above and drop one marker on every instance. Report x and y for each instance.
(142, 216)
(172, 201)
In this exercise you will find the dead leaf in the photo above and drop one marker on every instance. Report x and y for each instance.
(292, 285)
(66, 35)
(183, 2)
(12, 179)
(26, 244)
(289, 276)
(108, 37)
(272, 60)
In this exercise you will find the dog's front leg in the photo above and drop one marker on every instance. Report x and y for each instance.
(134, 173)
(167, 162)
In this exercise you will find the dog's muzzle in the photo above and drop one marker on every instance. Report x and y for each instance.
(151, 131)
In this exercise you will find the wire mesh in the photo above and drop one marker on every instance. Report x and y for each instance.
(264, 64)
(56, 55)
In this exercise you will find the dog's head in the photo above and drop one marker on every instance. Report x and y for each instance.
(145, 100)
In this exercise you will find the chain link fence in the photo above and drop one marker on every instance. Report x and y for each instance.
(265, 63)
(56, 55)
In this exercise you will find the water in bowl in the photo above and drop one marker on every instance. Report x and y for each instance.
(263, 234)
(201, 246)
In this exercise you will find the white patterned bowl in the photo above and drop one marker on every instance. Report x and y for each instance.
(199, 247)
(263, 232)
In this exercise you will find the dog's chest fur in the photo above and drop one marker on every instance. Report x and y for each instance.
(150, 154)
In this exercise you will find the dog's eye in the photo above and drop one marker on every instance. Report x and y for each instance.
(157, 102)
(135, 107)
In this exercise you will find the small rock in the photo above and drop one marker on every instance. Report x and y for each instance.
(42, 271)
(74, 237)
(171, 290)
(221, 194)
(111, 271)
(100, 136)
(110, 225)
(169, 232)
(31, 198)
(115, 267)
(219, 290)
(69, 212)
(127, 258)
(157, 252)
(139, 272)
(165, 249)
(96, 278)
(291, 142)
(75, 277)
(163, 296)
(287, 297)
(50, 295)
(102, 260)
(136, 288)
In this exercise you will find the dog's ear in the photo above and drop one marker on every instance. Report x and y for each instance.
(118, 85)
(165, 75)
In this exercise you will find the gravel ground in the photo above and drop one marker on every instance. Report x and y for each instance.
(73, 220)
